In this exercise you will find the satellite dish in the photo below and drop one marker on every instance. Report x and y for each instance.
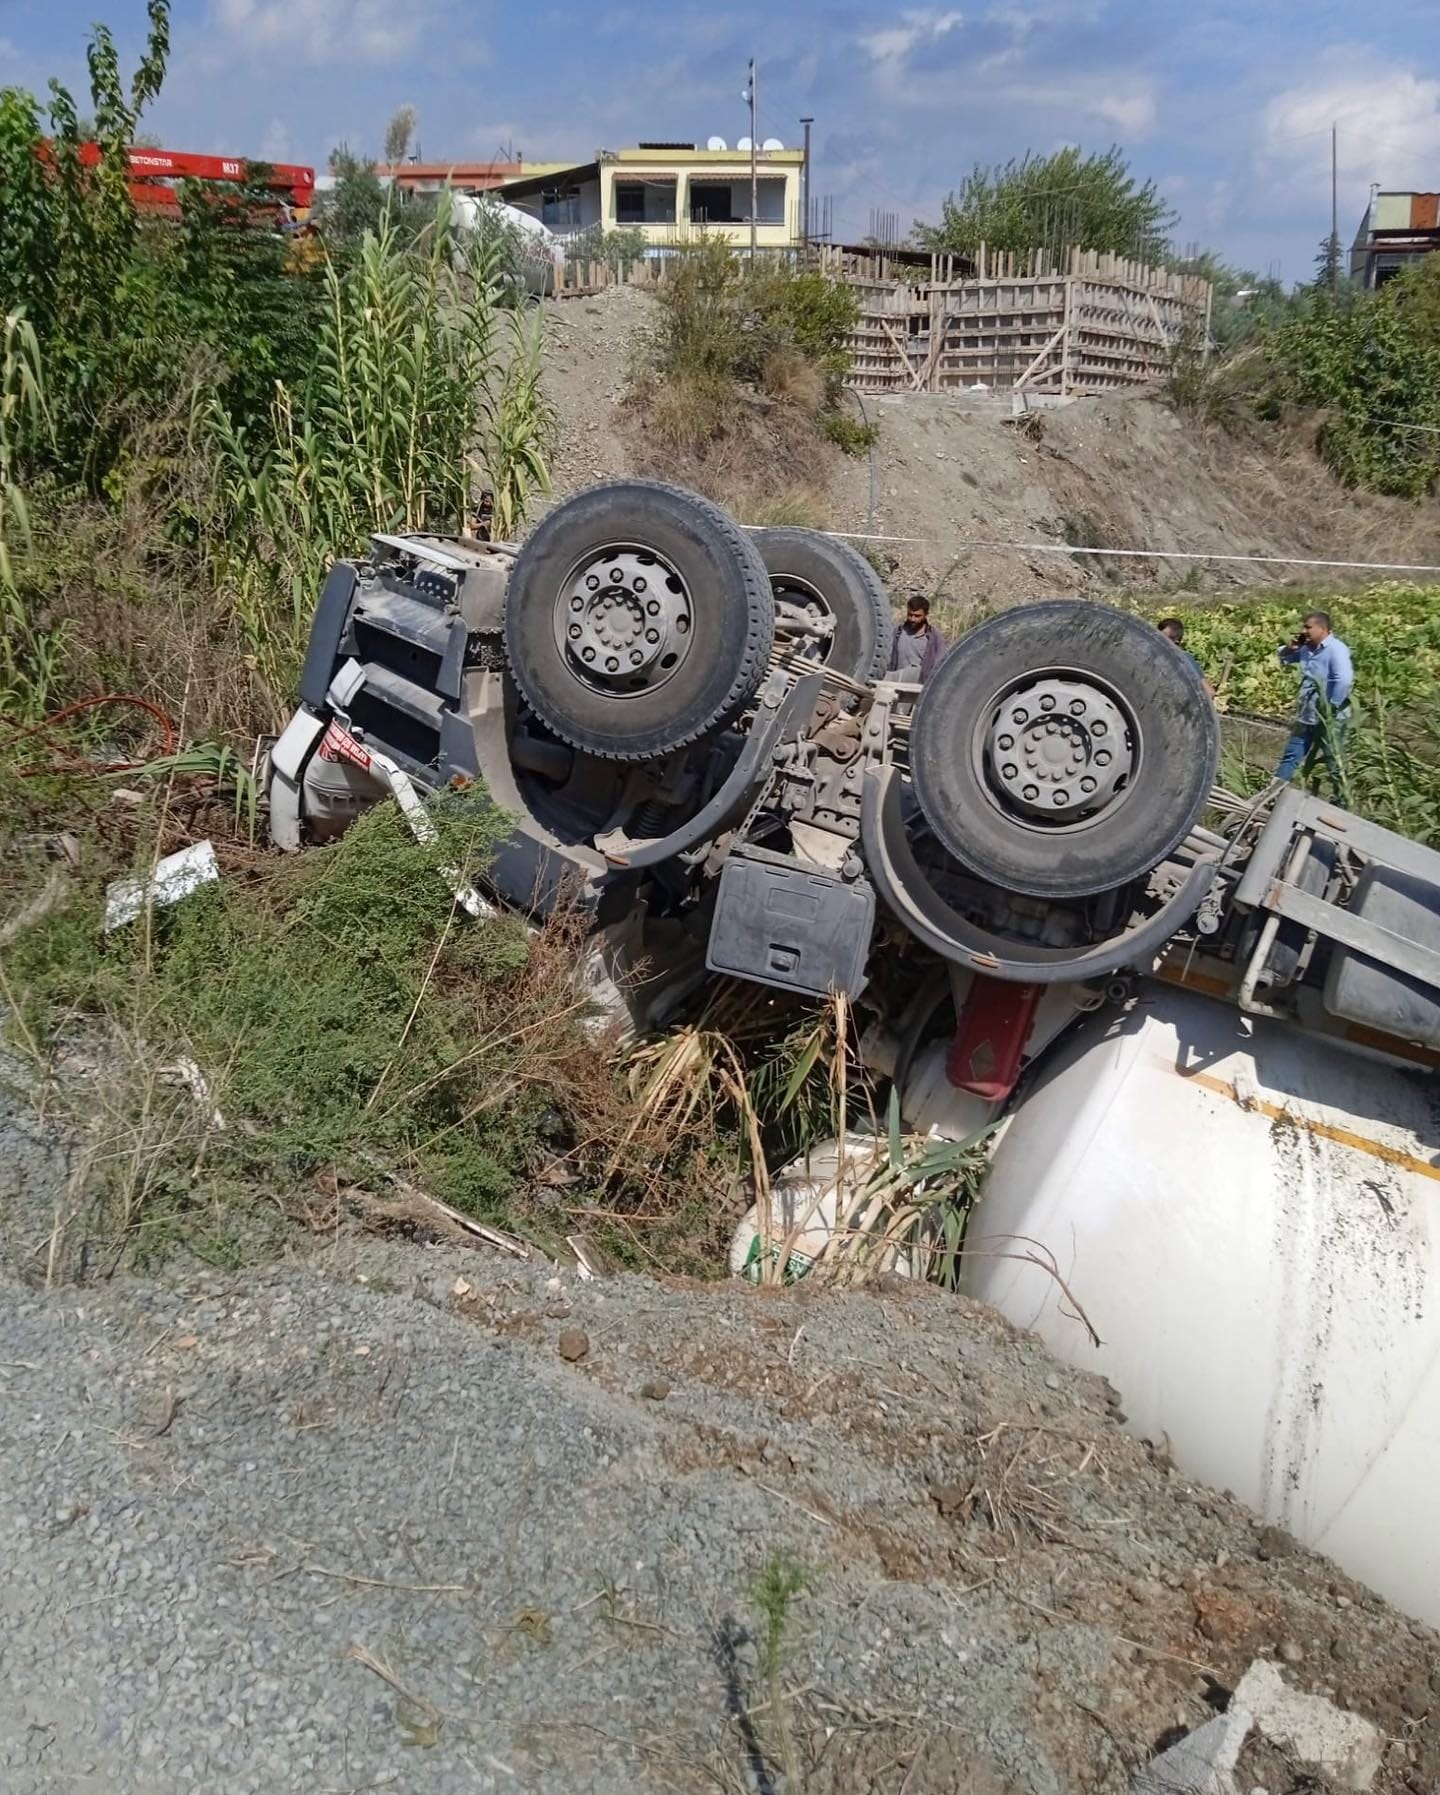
(772, 143)
(745, 143)
(716, 143)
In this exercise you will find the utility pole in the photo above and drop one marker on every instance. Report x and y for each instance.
(754, 170)
(1334, 214)
(805, 187)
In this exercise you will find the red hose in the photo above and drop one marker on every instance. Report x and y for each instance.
(167, 729)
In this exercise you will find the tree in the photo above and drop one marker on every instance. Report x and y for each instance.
(1244, 305)
(355, 203)
(1373, 369)
(69, 229)
(1064, 201)
(398, 134)
(1329, 270)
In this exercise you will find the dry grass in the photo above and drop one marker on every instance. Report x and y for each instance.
(793, 379)
(800, 506)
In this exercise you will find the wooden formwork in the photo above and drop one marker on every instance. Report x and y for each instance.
(1095, 324)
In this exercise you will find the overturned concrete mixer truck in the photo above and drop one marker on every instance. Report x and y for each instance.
(1207, 1026)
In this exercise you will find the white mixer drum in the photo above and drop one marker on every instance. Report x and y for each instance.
(1250, 1219)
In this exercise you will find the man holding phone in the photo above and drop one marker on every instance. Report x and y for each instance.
(1327, 678)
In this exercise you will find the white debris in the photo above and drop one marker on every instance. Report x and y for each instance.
(1202, 1763)
(187, 1074)
(1341, 1746)
(171, 879)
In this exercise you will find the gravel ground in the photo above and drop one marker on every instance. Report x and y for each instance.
(416, 1519)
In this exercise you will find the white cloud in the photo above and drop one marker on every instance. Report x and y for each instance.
(320, 31)
(275, 144)
(1388, 120)
(1132, 113)
(891, 46)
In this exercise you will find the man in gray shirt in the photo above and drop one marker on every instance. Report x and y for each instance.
(916, 646)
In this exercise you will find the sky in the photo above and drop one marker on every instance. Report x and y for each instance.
(1227, 105)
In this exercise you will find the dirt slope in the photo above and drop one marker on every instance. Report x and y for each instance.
(424, 1520)
(952, 470)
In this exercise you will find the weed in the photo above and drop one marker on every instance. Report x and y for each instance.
(850, 434)
(792, 506)
(341, 1018)
(780, 1583)
(791, 377)
(410, 367)
(726, 328)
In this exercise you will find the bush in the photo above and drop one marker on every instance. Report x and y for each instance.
(1372, 367)
(849, 433)
(346, 1019)
(619, 251)
(727, 325)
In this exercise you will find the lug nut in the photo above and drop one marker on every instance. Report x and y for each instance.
(588, 654)
(636, 657)
(575, 632)
(639, 582)
(1102, 759)
(1087, 784)
(1011, 772)
(653, 608)
(1062, 797)
(1077, 707)
(1047, 702)
(611, 664)
(1097, 727)
(1031, 793)
(1007, 741)
(1019, 715)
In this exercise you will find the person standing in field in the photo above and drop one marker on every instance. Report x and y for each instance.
(1322, 717)
(1173, 630)
(916, 646)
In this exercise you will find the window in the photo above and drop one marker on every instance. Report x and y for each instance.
(560, 211)
(649, 201)
(710, 203)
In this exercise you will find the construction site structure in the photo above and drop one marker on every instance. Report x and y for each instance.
(1085, 322)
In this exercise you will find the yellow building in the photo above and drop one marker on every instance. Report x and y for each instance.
(670, 192)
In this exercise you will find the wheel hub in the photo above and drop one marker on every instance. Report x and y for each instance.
(624, 621)
(1059, 749)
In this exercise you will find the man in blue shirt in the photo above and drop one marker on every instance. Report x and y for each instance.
(1323, 715)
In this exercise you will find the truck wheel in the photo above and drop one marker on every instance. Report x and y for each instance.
(828, 582)
(637, 618)
(1063, 749)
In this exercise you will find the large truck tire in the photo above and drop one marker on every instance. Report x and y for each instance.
(832, 581)
(638, 618)
(1063, 749)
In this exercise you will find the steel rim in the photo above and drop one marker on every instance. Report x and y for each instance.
(624, 621)
(796, 595)
(1057, 751)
